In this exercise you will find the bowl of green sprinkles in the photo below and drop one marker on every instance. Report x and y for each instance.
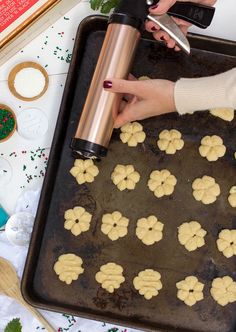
(7, 123)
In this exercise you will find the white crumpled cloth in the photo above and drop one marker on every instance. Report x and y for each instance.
(10, 309)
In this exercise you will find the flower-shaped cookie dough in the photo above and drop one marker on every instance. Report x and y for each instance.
(125, 177)
(114, 225)
(223, 290)
(77, 220)
(148, 283)
(226, 114)
(212, 147)
(170, 141)
(132, 134)
(68, 267)
(205, 189)
(110, 276)
(149, 230)
(84, 170)
(191, 235)
(226, 242)
(232, 197)
(190, 290)
(162, 183)
(144, 78)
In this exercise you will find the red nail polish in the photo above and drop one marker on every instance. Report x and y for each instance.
(154, 6)
(107, 84)
(153, 28)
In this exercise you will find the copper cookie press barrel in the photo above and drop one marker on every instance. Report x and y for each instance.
(100, 109)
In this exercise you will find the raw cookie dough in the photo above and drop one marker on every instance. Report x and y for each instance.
(132, 134)
(68, 267)
(191, 235)
(110, 276)
(144, 78)
(114, 225)
(212, 148)
(125, 177)
(226, 114)
(190, 290)
(149, 230)
(205, 189)
(170, 141)
(226, 243)
(232, 196)
(223, 290)
(148, 283)
(162, 183)
(84, 170)
(77, 220)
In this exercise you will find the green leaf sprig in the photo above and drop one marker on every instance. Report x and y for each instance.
(14, 326)
(105, 6)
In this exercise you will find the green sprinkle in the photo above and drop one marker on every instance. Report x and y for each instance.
(7, 123)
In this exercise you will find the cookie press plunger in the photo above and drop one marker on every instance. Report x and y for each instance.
(123, 34)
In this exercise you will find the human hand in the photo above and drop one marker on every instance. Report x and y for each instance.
(161, 8)
(145, 98)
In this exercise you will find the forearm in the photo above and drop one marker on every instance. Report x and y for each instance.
(195, 94)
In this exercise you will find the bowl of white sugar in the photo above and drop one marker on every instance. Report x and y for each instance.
(28, 81)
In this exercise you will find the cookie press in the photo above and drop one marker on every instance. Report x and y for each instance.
(123, 34)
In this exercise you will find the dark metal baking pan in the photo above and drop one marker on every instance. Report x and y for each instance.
(42, 288)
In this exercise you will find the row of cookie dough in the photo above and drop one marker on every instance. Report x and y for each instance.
(149, 230)
(148, 282)
(170, 141)
(161, 182)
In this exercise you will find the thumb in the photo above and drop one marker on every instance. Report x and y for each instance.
(162, 6)
(131, 112)
(136, 88)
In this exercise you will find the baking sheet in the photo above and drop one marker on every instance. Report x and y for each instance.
(40, 285)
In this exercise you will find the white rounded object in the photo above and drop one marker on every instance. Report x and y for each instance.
(29, 82)
(5, 172)
(28, 202)
(32, 123)
(19, 227)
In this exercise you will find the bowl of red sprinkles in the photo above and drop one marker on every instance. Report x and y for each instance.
(7, 123)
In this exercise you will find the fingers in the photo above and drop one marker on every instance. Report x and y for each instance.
(163, 36)
(137, 88)
(130, 113)
(151, 27)
(132, 77)
(162, 6)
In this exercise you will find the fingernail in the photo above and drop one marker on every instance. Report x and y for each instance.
(107, 84)
(153, 28)
(154, 6)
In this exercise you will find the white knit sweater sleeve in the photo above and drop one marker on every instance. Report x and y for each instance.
(196, 94)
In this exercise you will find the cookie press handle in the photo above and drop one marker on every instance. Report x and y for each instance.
(194, 13)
